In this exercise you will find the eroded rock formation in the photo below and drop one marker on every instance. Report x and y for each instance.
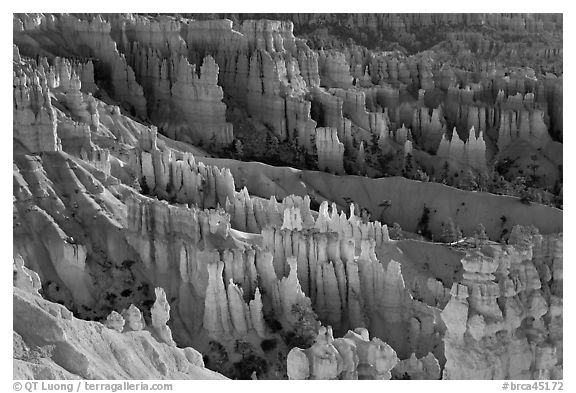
(34, 118)
(506, 306)
(330, 150)
(353, 356)
(107, 208)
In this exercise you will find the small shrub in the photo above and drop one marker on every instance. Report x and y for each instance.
(268, 345)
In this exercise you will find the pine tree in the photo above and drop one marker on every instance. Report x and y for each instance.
(361, 159)
(145, 190)
(533, 167)
(483, 182)
(238, 149)
(374, 148)
(480, 233)
(450, 233)
(468, 180)
(272, 148)
(408, 171)
(395, 232)
(445, 173)
(421, 176)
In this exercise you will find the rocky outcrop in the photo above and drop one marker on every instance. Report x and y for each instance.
(75, 348)
(185, 103)
(330, 150)
(352, 227)
(161, 33)
(501, 321)
(252, 214)
(236, 310)
(401, 135)
(34, 117)
(327, 110)
(428, 128)
(171, 174)
(334, 70)
(62, 81)
(349, 292)
(240, 273)
(67, 256)
(415, 71)
(472, 153)
(94, 39)
(354, 106)
(261, 68)
(216, 312)
(76, 139)
(71, 75)
(199, 100)
(160, 314)
(83, 109)
(526, 125)
(166, 235)
(95, 35)
(263, 95)
(134, 318)
(426, 368)
(115, 321)
(353, 356)
(24, 278)
(299, 123)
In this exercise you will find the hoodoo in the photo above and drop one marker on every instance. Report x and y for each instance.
(287, 196)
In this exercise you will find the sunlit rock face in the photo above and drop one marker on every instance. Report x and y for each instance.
(505, 309)
(34, 116)
(258, 197)
(472, 152)
(75, 346)
(330, 150)
(350, 357)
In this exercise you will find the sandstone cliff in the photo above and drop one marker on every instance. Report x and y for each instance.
(506, 306)
(472, 152)
(353, 356)
(330, 150)
(34, 118)
(72, 348)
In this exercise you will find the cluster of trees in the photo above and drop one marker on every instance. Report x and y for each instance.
(305, 329)
(497, 180)
(250, 365)
(271, 151)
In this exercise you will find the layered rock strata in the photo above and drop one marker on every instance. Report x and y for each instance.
(186, 104)
(171, 174)
(330, 150)
(95, 35)
(502, 321)
(351, 357)
(472, 152)
(34, 117)
(348, 291)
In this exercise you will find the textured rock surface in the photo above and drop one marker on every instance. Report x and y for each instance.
(173, 174)
(472, 152)
(330, 150)
(77, 348)
(185, 104)
(352, 357)
(34, 117)
(505, 307)
(138, 204)
(160, 313)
